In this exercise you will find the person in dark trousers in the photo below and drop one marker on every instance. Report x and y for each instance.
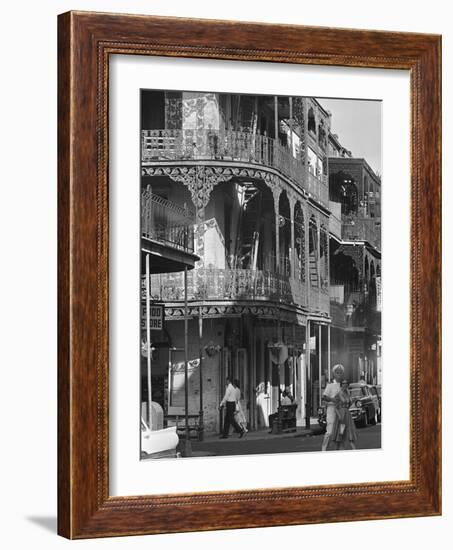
(229, 401)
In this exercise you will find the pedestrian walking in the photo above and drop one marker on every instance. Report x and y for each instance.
(328, 398)
(344, 427)
(239, 413)
(229, 401)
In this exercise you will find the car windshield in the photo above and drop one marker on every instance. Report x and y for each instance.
(356, 392)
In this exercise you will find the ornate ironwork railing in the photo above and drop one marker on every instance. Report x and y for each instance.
(352, 305)
(221, 284)
(166, 222)
(318, 299)
(232, 146)
(360, 229)
(226, 284)
(318, 187)
(236, 284)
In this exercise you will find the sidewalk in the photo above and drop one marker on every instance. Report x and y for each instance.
(251, 442)
(301, 431)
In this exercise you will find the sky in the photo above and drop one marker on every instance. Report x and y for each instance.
(358, 125)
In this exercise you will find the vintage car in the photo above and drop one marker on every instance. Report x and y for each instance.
(378, 389)
(365, 404)
(158, 443)
(365, 407)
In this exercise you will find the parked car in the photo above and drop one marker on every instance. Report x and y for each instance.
(365, 408)
(378, 389)
(365, 404)
(158, 443)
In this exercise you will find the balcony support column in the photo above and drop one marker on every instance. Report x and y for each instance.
(318, 259)
(328, 352)
(187, 445)
(307, 376)
(319, 363)
(307, 253)
(148, 339)
(200, 337)
(290, 100)
(276, 119)
(199, 235)
(276, 191)
(292, 205)
(328, 261)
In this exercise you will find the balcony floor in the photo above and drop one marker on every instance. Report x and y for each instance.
(167, 259)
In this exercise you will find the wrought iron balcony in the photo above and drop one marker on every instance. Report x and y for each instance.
(221, 284)
(236, 284)
(353, 306)
(356, 228)
(166, 222)
(179, 145)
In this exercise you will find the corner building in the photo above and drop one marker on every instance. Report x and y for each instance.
(253, 169)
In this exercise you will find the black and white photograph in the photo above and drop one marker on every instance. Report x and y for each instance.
(260, 296)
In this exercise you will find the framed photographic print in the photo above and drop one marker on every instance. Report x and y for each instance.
(249, 275)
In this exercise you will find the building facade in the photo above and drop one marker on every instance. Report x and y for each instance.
(355, 264)
(254, 172)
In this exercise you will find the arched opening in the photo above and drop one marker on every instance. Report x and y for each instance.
(299, 242)
(311, 120)
(343, 190)
(245, 222)
(322, 135)
(344, 272)
(284, 228)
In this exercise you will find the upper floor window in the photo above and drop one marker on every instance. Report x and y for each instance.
(311, 121)
(322, 136)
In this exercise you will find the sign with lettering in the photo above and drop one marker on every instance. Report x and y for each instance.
(156, 317)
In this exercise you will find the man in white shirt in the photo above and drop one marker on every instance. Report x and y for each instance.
(286, 399)
(328, 398)
(229, 400)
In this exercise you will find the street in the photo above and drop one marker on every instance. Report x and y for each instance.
(368, 438)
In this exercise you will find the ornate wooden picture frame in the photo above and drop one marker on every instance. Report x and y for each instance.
(85, 507)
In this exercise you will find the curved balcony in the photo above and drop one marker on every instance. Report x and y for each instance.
(222, 284)
(214, 145)
(236, 284)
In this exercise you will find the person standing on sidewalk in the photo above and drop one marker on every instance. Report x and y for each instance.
(344, 427)
(239, 415)
(329, 398)
(229, 401)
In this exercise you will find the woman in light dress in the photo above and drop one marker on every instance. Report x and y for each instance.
(344, 427)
